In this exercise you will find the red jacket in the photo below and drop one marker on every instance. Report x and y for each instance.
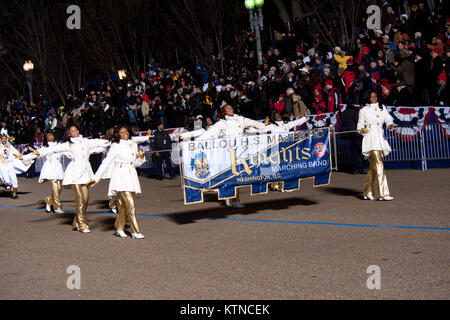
(334, 100)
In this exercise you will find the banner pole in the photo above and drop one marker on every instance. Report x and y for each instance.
(334, 148)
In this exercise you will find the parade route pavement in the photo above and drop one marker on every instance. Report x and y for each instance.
(316, 243)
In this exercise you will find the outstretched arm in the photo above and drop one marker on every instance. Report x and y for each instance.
(192, 134)
(57, 148)
(142, 139)
(212, 132)
(105, 164)
(97, 143)
(253, 123)
(293, 124)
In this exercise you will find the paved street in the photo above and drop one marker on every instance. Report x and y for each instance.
(315, 243)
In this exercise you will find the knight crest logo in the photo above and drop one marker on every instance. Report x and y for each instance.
(320, 149)
(200, 164)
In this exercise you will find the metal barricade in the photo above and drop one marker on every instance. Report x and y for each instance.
(408, 143)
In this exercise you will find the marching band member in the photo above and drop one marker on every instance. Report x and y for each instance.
(375, 146)
(52, 171)
(231, 126)
(124, 156)
(108, 173)
(78, 173)
(11, 164)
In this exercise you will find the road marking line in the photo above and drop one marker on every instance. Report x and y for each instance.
(253, 220)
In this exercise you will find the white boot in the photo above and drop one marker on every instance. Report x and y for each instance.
(121, 233)
(114, 210)
(85, 231)
(386, 198)
(137, 235)
(48, 208)
(59, 211)
(369, 198)
(228, 202)
(237, 205)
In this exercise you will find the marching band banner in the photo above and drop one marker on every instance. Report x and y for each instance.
(226, 164)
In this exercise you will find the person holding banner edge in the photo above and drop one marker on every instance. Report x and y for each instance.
(232, 125)
(375, 146)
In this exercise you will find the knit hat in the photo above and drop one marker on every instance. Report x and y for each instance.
(366, 50)
(350, 62)
(329, 82)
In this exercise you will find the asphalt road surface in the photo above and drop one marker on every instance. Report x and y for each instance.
(316, 243)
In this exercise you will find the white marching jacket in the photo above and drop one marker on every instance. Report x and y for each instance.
(108, 172)
(79, 169)
(121, 162)
(230, 127)
(52, 168)
(280, 126)
(192, 134)
(372, 118)
(10, 166)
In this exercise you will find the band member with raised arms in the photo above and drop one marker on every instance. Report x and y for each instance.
(111, 136)
(124, 156)
(375, 146)
(231, 126)
(78, 173)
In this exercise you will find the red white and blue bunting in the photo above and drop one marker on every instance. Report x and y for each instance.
(409, 121)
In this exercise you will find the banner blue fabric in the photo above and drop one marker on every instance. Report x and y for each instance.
(256, 160)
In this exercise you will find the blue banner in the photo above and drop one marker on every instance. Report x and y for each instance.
(223, 165)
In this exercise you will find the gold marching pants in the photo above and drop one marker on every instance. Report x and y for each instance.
(112, 203)
(376, 172)
(127, 211)
(81, 194)
(53, 199)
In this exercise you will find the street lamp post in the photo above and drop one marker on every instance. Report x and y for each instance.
(256, 23)
(28, 68)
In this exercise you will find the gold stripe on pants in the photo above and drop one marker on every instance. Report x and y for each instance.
(376, 172)
(81, 194)
(127, 211)
(53, 199)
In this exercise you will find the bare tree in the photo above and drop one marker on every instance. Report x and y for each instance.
(203, 28)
